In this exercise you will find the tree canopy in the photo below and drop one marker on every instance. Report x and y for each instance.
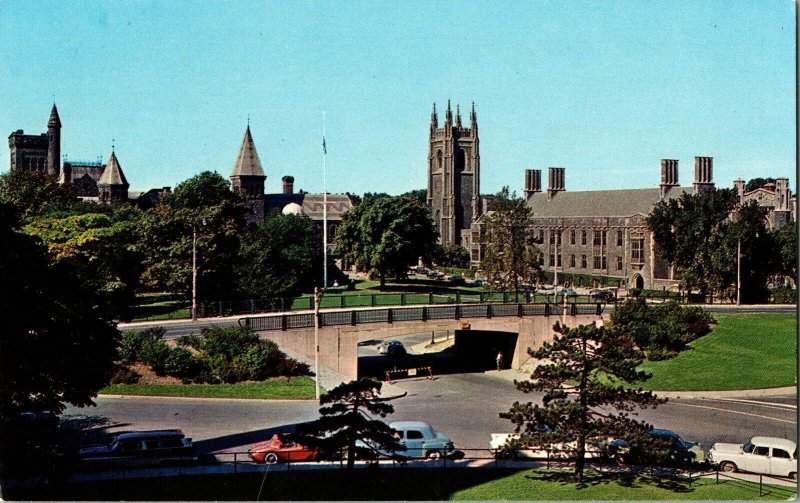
(386, 234)
(57, 345)
(585, 375)
(35, 193)
(348, 414)
(510, 255)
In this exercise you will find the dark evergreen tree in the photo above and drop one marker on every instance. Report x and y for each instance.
(348, 414)
(585, 376)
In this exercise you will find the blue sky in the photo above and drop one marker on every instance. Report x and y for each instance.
(604, 89)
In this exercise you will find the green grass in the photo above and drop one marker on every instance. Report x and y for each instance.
(744, 351)
(410, 484)
(299, 388)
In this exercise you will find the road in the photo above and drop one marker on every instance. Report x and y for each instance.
(464, 406)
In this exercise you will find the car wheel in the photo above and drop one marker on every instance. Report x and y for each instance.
(271, 458)
(793, 475)
(727, 466)
(434, 455)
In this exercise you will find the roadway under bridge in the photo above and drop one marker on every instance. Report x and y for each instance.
(510, 328)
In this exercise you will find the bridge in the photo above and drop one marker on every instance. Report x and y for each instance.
(340, 331)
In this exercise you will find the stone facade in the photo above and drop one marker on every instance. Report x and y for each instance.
(38, 153)
(776, 197)
(454, 164)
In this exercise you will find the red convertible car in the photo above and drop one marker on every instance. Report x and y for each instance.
(280, 448)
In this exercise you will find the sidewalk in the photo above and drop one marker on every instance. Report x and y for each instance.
(512, 374)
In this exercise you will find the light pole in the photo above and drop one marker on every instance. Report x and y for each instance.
(316, 341)
(738, 271)
(194, 268)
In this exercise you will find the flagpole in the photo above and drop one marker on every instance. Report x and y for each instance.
(324, 208)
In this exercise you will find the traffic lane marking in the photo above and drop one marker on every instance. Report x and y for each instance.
(734, 412)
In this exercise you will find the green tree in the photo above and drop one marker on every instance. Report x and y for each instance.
(35, 193)
(450, 255)
(757, 183)
(510, 255)
(785, 239)
(587, 394)
(348, 415)
(689, 232)
(386, 234)
(57, 344)
(759, 255)
(280, 257)
(206, 205)
(420, 195)
(660, 330)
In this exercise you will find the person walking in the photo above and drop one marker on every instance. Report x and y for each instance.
(499, 360)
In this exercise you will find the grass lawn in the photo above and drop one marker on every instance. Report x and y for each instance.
(411, 484)
(299, 388)
(744, 351)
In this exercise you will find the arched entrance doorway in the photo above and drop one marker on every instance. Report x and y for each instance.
(638, 281)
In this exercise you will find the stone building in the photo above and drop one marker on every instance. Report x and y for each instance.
(776, 197)
(38, 153)
(454, 168)
(112, 186)
(248, 178)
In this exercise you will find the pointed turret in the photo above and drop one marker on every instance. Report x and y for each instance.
(448, 115)
(473, 119)
(458, 115)
(54, 143)
(434, 118)
(248, 176)
(112, 186)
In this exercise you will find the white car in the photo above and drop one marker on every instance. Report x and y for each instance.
(498, 447)
(766, 455)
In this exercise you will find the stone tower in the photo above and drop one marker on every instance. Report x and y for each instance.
(112, 186)
(54, 143)
(248, 177)
(454, 176)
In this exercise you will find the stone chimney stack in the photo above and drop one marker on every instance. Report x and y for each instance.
(533, 182)
(555, 181)
(288, 184)
(703, 178)
(669, 175)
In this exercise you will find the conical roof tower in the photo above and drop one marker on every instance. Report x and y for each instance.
(247, 175)
(112, 186)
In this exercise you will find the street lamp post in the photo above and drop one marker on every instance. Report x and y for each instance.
(194, 272)
(738, 271)
(316, 341)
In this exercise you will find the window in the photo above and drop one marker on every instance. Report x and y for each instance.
(414, 435)
(572, 257)
(555, 237)
(780, 453)
(558, 259)
(760, 451)
(583, 237)
(583, 261)
(599, 238)
(637, 251)
(552, 260)
(619, 237)
(600, 262)
(572, 237)
(619, 263)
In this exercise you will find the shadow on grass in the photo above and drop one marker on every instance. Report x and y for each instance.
(630, 479)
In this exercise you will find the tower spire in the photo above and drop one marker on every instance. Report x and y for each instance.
(434, 117)
(448, 116)
(473, 119)
(458, 115)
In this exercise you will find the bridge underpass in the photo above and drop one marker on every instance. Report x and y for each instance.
(515, 327)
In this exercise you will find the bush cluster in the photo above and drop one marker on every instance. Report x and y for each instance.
(229, 355)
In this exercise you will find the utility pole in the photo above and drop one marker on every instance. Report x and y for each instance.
(324, 209)
(738, 271)
(316, 341)
(194, 272)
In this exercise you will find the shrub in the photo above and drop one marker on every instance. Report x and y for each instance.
(154, 353)
(192, 341)
(227, 342)
(179, 363)
(784, 296)
(262, 360)
(129, 346)
(124, 375)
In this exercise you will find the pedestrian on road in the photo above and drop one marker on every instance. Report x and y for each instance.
(499, 359)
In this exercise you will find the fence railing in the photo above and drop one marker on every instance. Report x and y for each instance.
(424, 313)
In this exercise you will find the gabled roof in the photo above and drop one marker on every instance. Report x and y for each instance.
(247, 162)
(600, 203)
(113, 174)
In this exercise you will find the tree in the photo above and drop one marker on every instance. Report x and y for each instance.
(757, 183)
(34, 193)
(57, 344)
(347, 418)
(586, 392)
(785, 239)
(386, 234)
(420, 195)
(759, 260)
(206, 205)
(450, 255)
(280, 257)
(510, 256)
(660, 330)
(689, 231)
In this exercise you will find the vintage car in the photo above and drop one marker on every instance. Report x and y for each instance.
(141, 448)
(502, 448)
(766, 455)
(281, 448)
(674, 450)
(419, 439)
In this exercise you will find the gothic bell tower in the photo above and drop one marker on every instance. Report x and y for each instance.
(454, 168)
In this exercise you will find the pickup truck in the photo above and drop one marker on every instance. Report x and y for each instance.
(766, 455)
(499, 446)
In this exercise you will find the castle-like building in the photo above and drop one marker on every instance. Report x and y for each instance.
(454, 172)
(248, 178)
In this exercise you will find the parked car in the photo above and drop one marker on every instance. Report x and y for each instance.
(419, 439)
(281, 448)
(457, 280)
(679, 451)
(603, 295)
(499, 445)
(479, 282)
(392, 348)
(142, 448)
(766, 455)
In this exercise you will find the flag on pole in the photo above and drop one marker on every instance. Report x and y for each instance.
(324, 150)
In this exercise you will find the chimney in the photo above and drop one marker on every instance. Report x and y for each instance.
(738, 186)
(669, 175)
(703, 179)
(533, 182)
(288, 184)
(555, 181)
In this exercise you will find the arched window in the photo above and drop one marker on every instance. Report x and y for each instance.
(439, 160)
